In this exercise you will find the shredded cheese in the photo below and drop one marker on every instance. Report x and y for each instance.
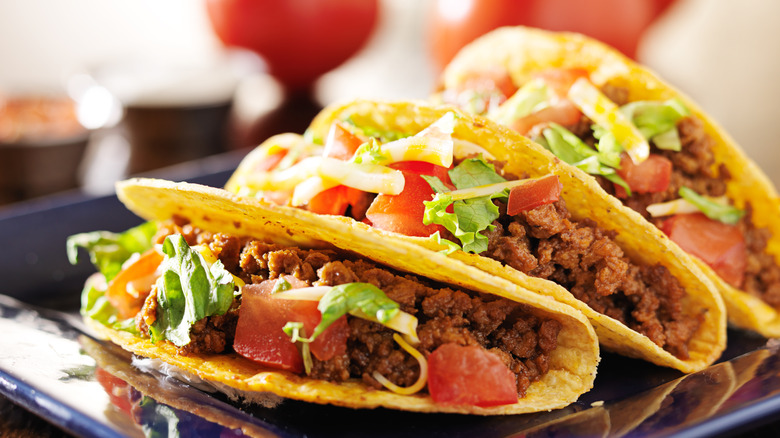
(314, 293)
(421, 380)
(465, 148)
(310, 188)
(486, 190)
(285, 179)
(680, 206)
(371, 178)
(594, 104)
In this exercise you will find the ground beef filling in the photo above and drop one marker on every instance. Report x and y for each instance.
(693, 167)
(523, 341)
(583, 258)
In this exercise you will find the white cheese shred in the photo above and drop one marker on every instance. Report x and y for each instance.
(421, 381)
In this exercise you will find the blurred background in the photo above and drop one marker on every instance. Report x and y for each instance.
(92, 91)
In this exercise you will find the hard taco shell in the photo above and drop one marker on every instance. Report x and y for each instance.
(572, 364)
(640, 240)
(522, 51)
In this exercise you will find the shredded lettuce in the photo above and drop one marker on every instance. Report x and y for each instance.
(570, 149)
(360, 299)
(107, 250)
(470, 217)
(383, 135)
(187, 291)
(450, 247)
(369, 152)
(474, 172)
(713, 210)
(531, 97)
(657, 121)
(95, 305)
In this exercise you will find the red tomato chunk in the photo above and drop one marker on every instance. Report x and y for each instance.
(719, 245)
(341, 144)
(533, 194)
(561, 79)
(651, 176)
(259, 334)
(403, 213)
(562, 112)
(469, 375)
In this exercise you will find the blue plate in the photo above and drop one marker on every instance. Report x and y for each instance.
(45, 366)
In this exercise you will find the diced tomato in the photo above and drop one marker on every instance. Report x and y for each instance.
(561, 79)
(336, 200)
(119, 391)
(533, 194)
(140, 276)
(490, 80)
(469, 375)
(424, 168)
(403, 213)
(719, 245)
(651, 176)
(270, 162)
(562, 112)
(341, 143)
(259, 334)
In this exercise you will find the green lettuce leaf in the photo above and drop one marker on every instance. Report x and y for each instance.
(470, 217)
(361, 299)
(436, 184)
(95, 305)
(474, 172)
(570, 149)
(107, 250)
(657, 121)
(187, 291)
(531, 97)
(719, 212)
(369, 152)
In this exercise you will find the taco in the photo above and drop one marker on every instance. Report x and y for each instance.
(645, 142)
(517, 213)
(333, 315)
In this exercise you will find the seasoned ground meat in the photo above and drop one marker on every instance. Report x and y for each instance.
(762, 273)
(510, 330)
(213, 334)
(694, 167)
(546, 242)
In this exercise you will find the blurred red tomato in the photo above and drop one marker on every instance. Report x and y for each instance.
(299, 39)
(620, 23)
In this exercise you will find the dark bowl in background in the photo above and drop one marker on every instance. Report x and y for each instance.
(42, 145)
(29, 169)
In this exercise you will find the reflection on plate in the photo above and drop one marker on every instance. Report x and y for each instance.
(155, 406)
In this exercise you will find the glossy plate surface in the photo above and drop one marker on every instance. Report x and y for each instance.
(51, 367)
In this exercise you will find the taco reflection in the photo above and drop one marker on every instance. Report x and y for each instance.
(157, 407)
(448, 181)
(683, 402)
(389, 325)
(644, 142)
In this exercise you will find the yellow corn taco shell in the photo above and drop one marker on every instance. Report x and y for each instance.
(572, 364)
(522, 51)
(642, 242)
